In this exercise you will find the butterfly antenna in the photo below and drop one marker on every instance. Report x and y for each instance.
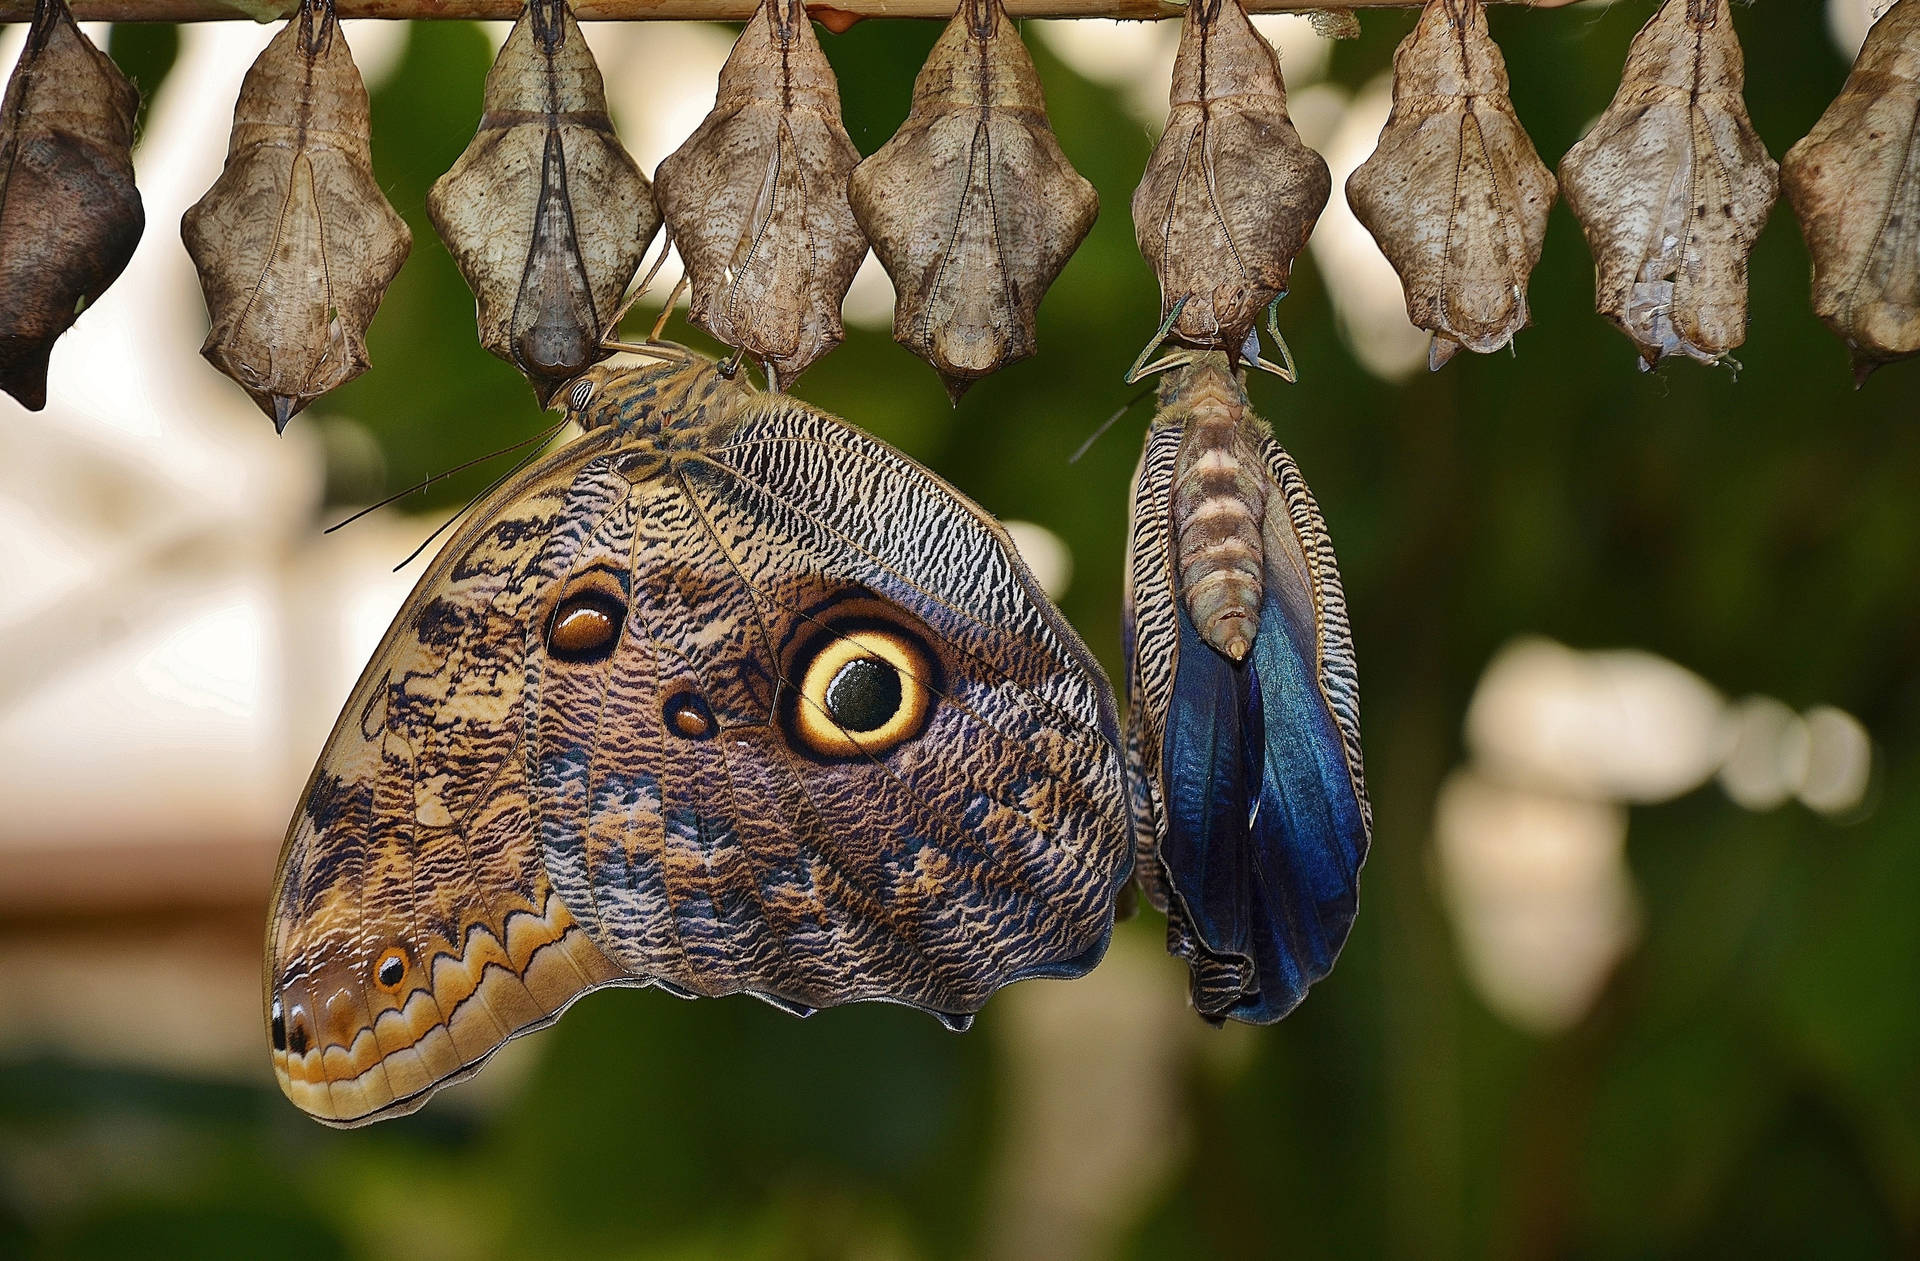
(543, 436)
(491, 487)
(1107, 424)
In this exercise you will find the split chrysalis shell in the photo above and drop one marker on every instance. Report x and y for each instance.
(756, 199)
(545, 213)
(1455, 194)
(70, 216)
(1231, 193)
(972, 207)
(295, 243)
(1854, 181)
(1672, 186)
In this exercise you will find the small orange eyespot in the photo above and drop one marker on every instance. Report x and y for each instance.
(391, 970)
(689, 716)
(585, 627)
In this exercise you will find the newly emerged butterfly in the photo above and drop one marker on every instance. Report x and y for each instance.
(1249, 803)
(722, 697)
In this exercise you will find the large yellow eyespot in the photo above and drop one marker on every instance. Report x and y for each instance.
(862, 689)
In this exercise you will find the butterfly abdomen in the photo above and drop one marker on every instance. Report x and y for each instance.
(1218, 500)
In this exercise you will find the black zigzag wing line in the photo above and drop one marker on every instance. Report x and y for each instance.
(1336, 669)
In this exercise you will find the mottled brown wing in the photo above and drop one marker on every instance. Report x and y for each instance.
(413, 929)
(725, 812)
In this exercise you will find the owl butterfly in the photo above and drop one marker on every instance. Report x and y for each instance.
(722, 697)
(1249, 804)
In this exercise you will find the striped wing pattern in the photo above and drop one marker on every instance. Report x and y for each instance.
(495, 828)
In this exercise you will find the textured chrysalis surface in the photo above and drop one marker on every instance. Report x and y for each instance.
(1854, 180)
(295, 242)
(1672, 186)
(972, 206)
(1455, 194)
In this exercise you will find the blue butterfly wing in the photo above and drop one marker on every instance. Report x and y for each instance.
(1266, 821)
(1212, 769)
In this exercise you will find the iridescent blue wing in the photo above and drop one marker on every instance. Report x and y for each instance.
(1251, 814)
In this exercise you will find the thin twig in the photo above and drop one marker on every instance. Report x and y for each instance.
(834, 14)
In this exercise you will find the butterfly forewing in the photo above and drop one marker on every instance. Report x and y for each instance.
(413, 926)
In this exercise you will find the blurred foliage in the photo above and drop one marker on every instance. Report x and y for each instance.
(1749, 1083)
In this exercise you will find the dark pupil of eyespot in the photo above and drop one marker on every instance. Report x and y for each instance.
(585, 628)
(279, 1024)
(864, 695)
(390, 970)
(297, 1036)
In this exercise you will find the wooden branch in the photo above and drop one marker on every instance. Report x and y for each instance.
(836, 14)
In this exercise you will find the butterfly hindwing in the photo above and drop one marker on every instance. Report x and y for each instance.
(735, 837)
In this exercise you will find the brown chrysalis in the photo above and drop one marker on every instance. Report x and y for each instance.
(545, 213)
(1672, 185)
(1855, 183)
(1455, 193)
(971, 206)
(294, 242)
(756, 199)
(69, 214)
(1231, 193)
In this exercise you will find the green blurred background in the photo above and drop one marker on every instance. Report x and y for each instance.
(1746, 1082)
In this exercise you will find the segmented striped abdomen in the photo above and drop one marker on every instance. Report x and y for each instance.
(1218, 500)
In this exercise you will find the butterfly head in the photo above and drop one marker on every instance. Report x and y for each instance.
(641, 395)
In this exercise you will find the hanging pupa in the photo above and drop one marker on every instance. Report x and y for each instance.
(1231, 193)
(972, 206)
(1248, 795)
(70, 216)
(1672, 185)
(545, 213)
(1854, 181)
(756, 199)
(1455, 194)
(294, 242)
